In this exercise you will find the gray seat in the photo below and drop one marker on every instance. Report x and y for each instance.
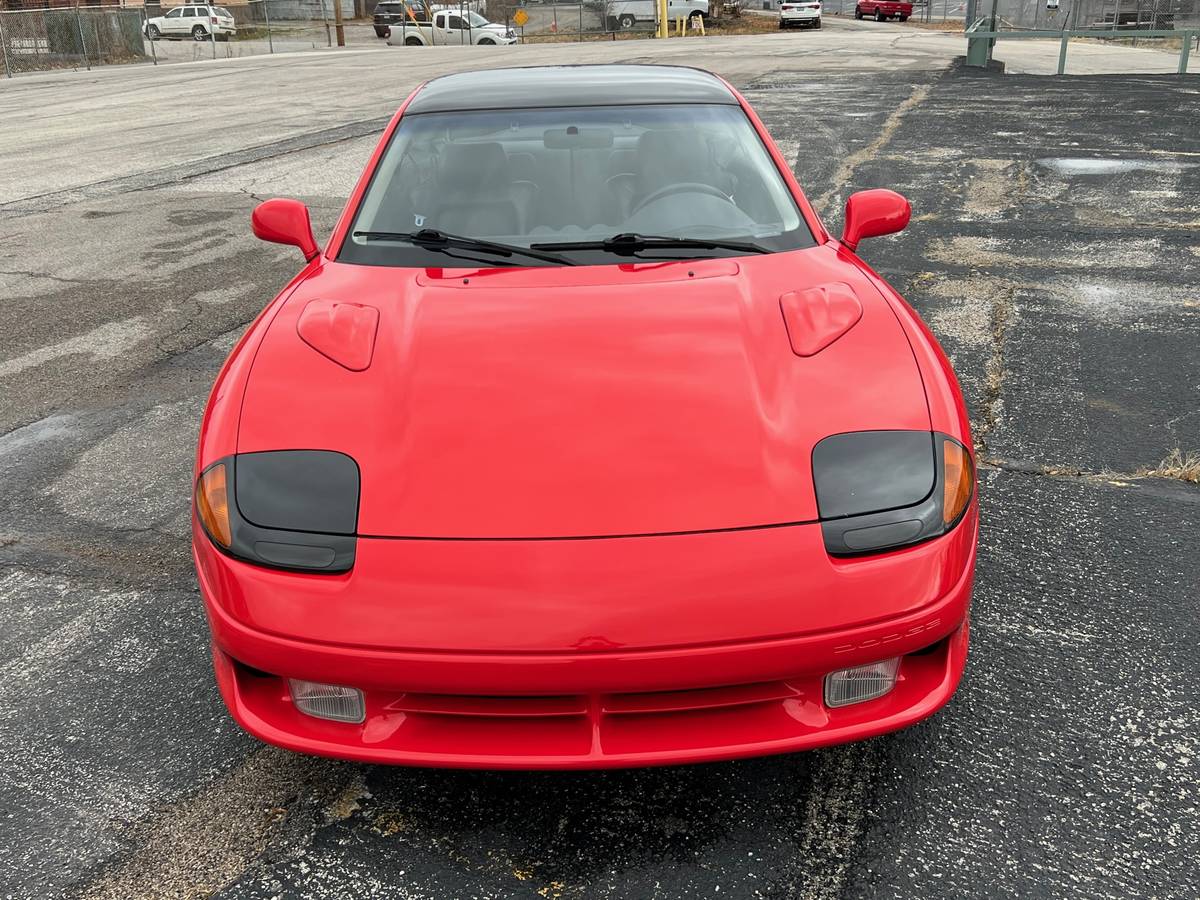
(621, 186)
(476, 191)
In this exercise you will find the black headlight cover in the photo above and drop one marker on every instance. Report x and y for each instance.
(880, 490)
(293, 509)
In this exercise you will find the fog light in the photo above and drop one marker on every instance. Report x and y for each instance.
(327, 701)
(861, 683)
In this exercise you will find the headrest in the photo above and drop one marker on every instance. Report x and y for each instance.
(670, 156)
(473, 167)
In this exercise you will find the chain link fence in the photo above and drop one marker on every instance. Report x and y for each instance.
(1080, 15)
(69, 38)
(280, 26)
(923, 10)
(162, 33)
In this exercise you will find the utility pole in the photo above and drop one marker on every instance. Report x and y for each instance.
(337, 23)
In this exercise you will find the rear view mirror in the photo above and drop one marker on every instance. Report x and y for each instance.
(874, 213)
(283, 221)
(576, 138)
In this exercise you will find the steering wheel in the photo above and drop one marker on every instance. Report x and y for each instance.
(683, 187)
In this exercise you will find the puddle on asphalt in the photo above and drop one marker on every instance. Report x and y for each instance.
(1164, 307)
(1069, 165)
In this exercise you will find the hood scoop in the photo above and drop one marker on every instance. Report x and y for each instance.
(342, 332)
(818, 316)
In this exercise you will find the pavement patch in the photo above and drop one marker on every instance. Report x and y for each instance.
(154, 476)
(106, 713)
(102, 343)
(783, 826)
(200, 844)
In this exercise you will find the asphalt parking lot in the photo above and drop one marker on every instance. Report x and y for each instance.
(1053, 251)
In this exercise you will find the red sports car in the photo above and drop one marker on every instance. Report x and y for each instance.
(582, 443)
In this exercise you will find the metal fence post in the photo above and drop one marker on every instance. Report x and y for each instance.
(146, 29)
(267, 12)
(1185, 49)
(4, 48)
(1062, 53)
(82, 42)
(325, 16)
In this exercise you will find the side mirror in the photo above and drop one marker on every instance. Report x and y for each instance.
(283, 221)
(872, 213)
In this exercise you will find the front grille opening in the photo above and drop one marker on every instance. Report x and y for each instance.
(932, 648)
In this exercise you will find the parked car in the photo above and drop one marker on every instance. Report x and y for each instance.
(445, 27)
(200, 23)
(882, 10)
(387, 12)
(628, 13)
(800, 14)
(583, 443)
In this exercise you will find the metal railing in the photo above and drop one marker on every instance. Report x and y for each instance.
(982, 37)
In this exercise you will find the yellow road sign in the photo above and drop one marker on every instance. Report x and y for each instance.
(520, 17)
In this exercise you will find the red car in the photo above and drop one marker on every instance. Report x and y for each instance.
(583, 443)
(882, 10)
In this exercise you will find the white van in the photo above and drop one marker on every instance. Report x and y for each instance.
(627, 13)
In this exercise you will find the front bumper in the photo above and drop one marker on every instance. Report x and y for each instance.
(596, 707)
(800, 16)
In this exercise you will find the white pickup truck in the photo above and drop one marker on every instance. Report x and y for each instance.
(627, 13)
(447, 27)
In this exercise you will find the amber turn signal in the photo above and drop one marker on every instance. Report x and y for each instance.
(958, 476)
(212, 505)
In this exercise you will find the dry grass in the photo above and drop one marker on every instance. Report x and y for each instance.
(1184, 466)
(745, 24)
(1130, 39)
(550, 37)
(948, 25)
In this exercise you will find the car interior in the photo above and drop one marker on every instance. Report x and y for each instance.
(573, 182)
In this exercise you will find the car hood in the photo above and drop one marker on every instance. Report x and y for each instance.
(577, 402)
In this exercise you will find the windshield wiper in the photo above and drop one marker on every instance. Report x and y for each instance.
(631, 243)
(432, 239)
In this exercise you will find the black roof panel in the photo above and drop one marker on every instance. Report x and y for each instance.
(546, 86)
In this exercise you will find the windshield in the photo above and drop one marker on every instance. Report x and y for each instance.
(576, 176)
(476, 20)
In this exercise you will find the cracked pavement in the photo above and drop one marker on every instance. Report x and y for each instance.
(1053, 252)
